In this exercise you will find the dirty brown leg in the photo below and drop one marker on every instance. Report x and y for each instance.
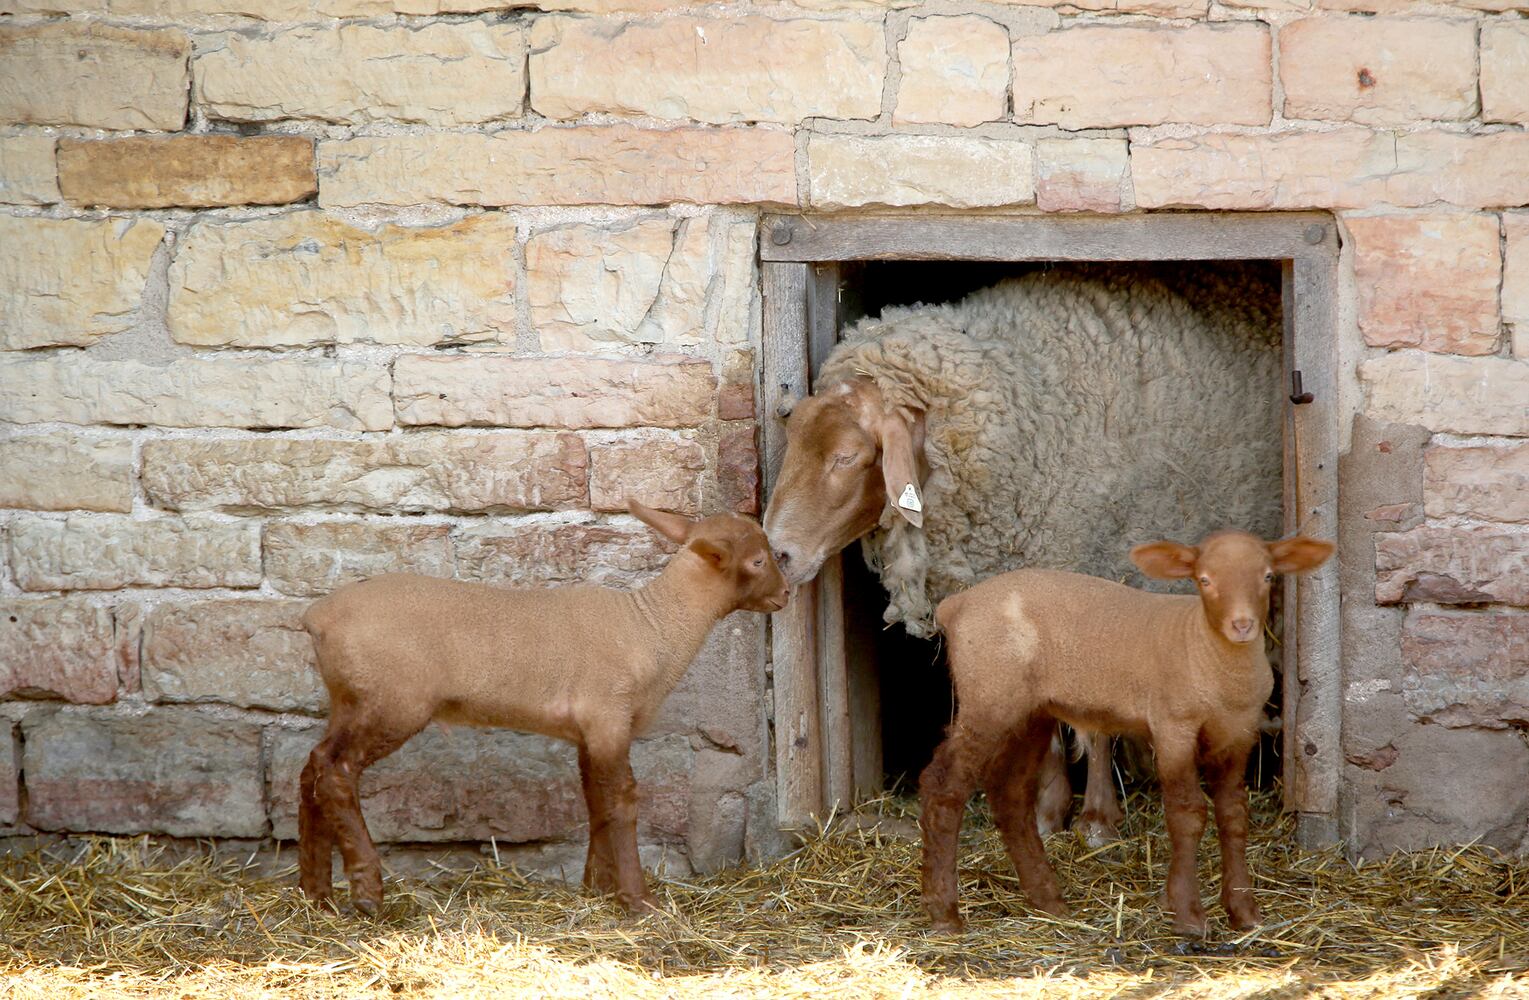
(617, 792)
(1055, 797)
(315, 837)
(599, 865)
(1099, 823)
(944, 788)
(353, 751)
(1229, 793)
(1184, 806)
(1011, 790)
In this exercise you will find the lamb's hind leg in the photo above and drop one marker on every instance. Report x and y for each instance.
(315, 835)
(1099, 822)
(355, 749)
(1055, 796)
(944, 788)
(1010, 784)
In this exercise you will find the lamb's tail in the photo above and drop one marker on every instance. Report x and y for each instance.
(945, 614)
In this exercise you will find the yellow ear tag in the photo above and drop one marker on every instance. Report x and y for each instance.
(909, 499)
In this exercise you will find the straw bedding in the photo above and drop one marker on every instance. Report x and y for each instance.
(839, 918)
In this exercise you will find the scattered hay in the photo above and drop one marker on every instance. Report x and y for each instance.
(839, 918)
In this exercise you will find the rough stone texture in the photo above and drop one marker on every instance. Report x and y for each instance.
(1467, 668)
(1378, 71)
(1468, 564)
(249, 653)
(546, 553)
(572, 393)
(1515, 276)
(265, 10)
(173, 771)
(58, 648)
(1483, 482)
(10, 775)
(439, 74)
(189, 170)
(61, 471)
(1081, 175)
(1427, 281)
(717, 70)
(311, 560)
(955, 72)
(28, 176)
(847, 171)
(735, 400)
(198, 392)
(110, 552)
(308, 278)
(1102, 76)
(1505, 71)
(1444, 393)
(738, 468)
(663, 472)
(600, 165)
(1157, 8)
(93, 75)
(77, 282)
(487, 473)
(1344, 168)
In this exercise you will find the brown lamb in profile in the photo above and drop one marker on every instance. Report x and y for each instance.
(583, 664)
(1188, 673)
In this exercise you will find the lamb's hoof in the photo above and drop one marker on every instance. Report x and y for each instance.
(643, 906)
(945, 920)
(1190, 924)
(1097, 831)
(1243, 915)
(368, 908)
(322, 901)
(1054, 908)
(1047, 825)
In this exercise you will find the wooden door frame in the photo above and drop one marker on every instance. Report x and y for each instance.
(827, 743)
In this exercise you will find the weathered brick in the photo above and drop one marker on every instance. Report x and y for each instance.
(721, 696)
(1081, 175)
(738, 468)
(437, 471)
(1467, 668)
(1427, 281)
(60, 471)
(461, 73)
(172, 771)
(1468, 564)
(198, 392)
(307, 278)
(1515, 279)
(249, 653)
(77, 282)
(734, 69)
(28, 175)
(1444, 393)
(265, 10)
(663, 472)
(10, 774)
(105, 553)
(93, 75)
(604, 165)
(1345, 168)
(1154, 8)
(955, 71)
(315, 559)
(848, 170)
(1505, 71)
(1378, 70)
(476, 784)
(1204, 75)
(60, 648)
(573, 393)
(545, 553)
(1482, 482)
(735, 400)
(188, 170)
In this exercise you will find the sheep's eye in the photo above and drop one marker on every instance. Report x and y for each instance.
(844, 460)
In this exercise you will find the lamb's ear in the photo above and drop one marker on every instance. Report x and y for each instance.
(675, 527)
(717, 551)
(901, 436)
(1299, 554)
(1166, 560)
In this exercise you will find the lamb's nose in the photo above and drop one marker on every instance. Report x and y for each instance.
(1243, 626)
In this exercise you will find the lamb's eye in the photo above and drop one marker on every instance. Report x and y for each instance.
(1205, 581)
(759, 563)
(1269, 577)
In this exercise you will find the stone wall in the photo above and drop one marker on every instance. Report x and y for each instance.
(297, 291)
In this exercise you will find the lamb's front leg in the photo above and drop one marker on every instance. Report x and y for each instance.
(1184, 806)
(599, 865)
(617, 790)
(943, 790)
(1229, 793)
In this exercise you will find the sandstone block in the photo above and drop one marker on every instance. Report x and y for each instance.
(93, 75)
(663, 472)
(10, 775)
(549, 553)
(1481, 482)
(497, 472)
(1444, 393)
(316, 559)
(721, 696)
(1427, 281)
(603, 165)
(60, 471)
(1505, 71)
(1081, 175)
(572, 393)
(198, 392)
(1153, 8)
(249, 653)
(307, 278)
(1203, 75)
(461, 73)
(189, 170)
(265, 10)
(59, 648)
(1515, 271)
(1378, 71)
(170, 771)
(77, 282)
(735, 400)
(107, 553)
(955, 72)
(1467, 669)
(738, 468)
(1469, 564)
(28, 175)
(847, 171)
(709, 69)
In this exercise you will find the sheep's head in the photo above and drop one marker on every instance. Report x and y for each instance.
(848, 455)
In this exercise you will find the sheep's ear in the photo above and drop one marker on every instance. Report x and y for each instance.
(901, 436)
(1166, 560)
(717, 551)
(675, 527)
(1299, 554)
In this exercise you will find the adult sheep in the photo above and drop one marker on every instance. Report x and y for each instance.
(1051, 420)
